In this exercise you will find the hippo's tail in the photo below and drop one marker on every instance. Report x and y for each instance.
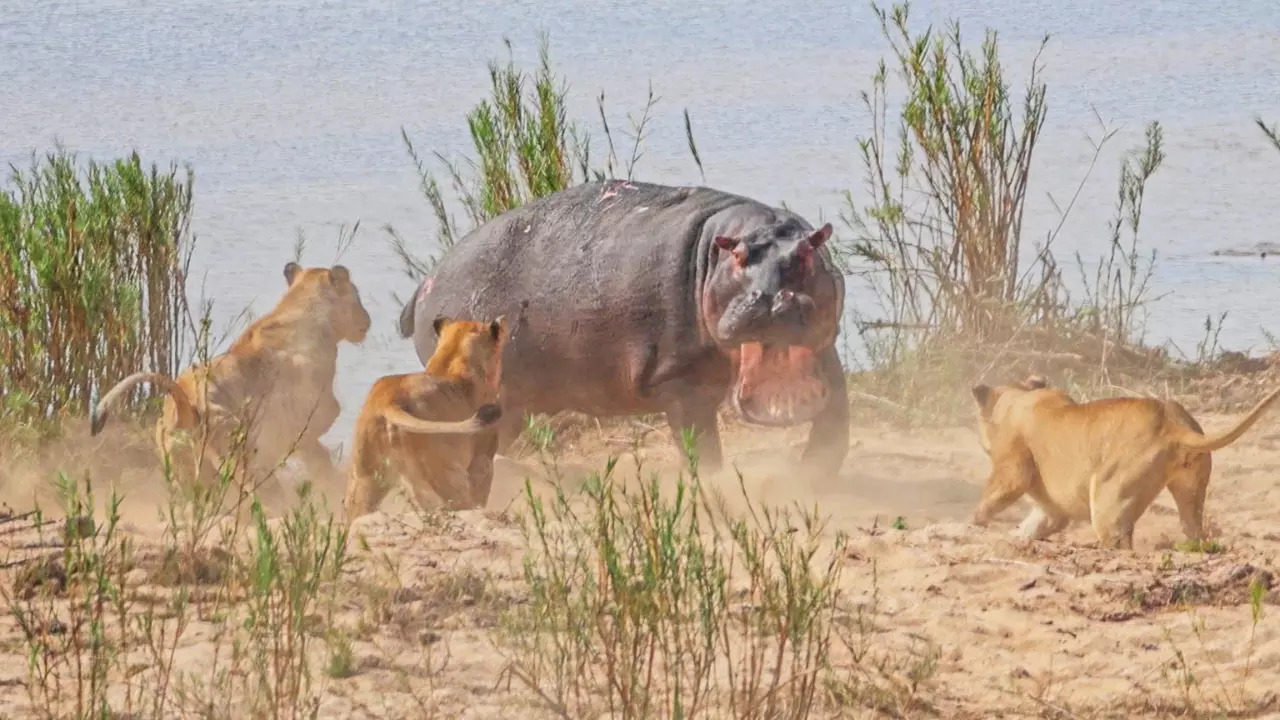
(406, 315)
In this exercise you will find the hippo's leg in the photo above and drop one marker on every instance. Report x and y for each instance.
(690, 389)
(699, 415)
(829, 435)
(510, 425)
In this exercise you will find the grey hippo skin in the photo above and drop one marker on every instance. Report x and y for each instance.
(633, 298)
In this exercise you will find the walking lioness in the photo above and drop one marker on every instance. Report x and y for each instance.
(275, 383)
(1103, 461)
(435, 458)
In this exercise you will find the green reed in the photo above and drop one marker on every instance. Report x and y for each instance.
(524, 147)
(91, 279)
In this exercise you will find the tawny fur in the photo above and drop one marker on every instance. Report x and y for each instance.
(447, 460)
(1101, 462)
(275, 382)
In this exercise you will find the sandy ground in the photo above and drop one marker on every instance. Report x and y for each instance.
(1002, 628)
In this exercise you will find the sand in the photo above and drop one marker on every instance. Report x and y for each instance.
(965, 622)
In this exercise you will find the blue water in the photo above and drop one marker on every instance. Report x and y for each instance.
(291, 112)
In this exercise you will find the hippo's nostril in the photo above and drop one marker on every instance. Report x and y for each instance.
(783, 302)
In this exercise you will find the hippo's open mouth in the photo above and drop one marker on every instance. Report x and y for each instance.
(778, 385)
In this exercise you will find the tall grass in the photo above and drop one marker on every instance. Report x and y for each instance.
(940, 241)
(1272, 135)
(648, 605)
(525, 147)
(951, 257)
(91, 279)
(102, 617)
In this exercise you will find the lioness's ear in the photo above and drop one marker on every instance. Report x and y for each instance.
(291, 270)
(982, 394)
(439, 323)
(498, 327)
(1036, 382)
(340, 274)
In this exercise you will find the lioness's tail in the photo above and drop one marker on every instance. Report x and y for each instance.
(1192, 440)
(186, 411)
(485, 416)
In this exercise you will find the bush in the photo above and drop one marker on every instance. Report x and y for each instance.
(91, 280)
(525, 148)
(646, 606)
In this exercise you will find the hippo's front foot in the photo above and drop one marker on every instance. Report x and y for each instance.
(829, 435)
(700, 418)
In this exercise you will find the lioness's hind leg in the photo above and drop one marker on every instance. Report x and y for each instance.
(326, 481)
(1119, 497)
(1040, 524)
(1189, 486)
(364, 494)
(367, 486)
(450, 486)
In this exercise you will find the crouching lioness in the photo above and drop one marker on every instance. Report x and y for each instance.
(1103, 461)
(447, 459)
(271, 393)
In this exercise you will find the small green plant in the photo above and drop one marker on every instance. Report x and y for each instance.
(73, 648)
(645, 604)
(341, 663)
(98, 645)
(1208, 547)
(286, 570)
(900, 523)
(540, 434)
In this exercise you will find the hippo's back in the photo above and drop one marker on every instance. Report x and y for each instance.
(589, 277)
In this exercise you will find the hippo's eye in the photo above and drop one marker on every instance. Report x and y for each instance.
(794, 268)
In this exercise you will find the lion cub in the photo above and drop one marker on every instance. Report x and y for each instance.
(1103, 461)
(436, 458)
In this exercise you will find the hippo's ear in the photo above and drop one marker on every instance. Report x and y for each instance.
(822, 235)
(291, 270)
(439, 323)
(340, 274)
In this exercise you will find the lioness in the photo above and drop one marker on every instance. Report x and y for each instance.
(1102, 461)
(275, 383)
(392, 440)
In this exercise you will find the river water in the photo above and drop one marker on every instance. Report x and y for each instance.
(290, 113)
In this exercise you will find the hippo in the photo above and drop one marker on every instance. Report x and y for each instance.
(633, 298)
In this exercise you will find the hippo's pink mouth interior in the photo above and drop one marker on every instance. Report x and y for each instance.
(778, 384)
